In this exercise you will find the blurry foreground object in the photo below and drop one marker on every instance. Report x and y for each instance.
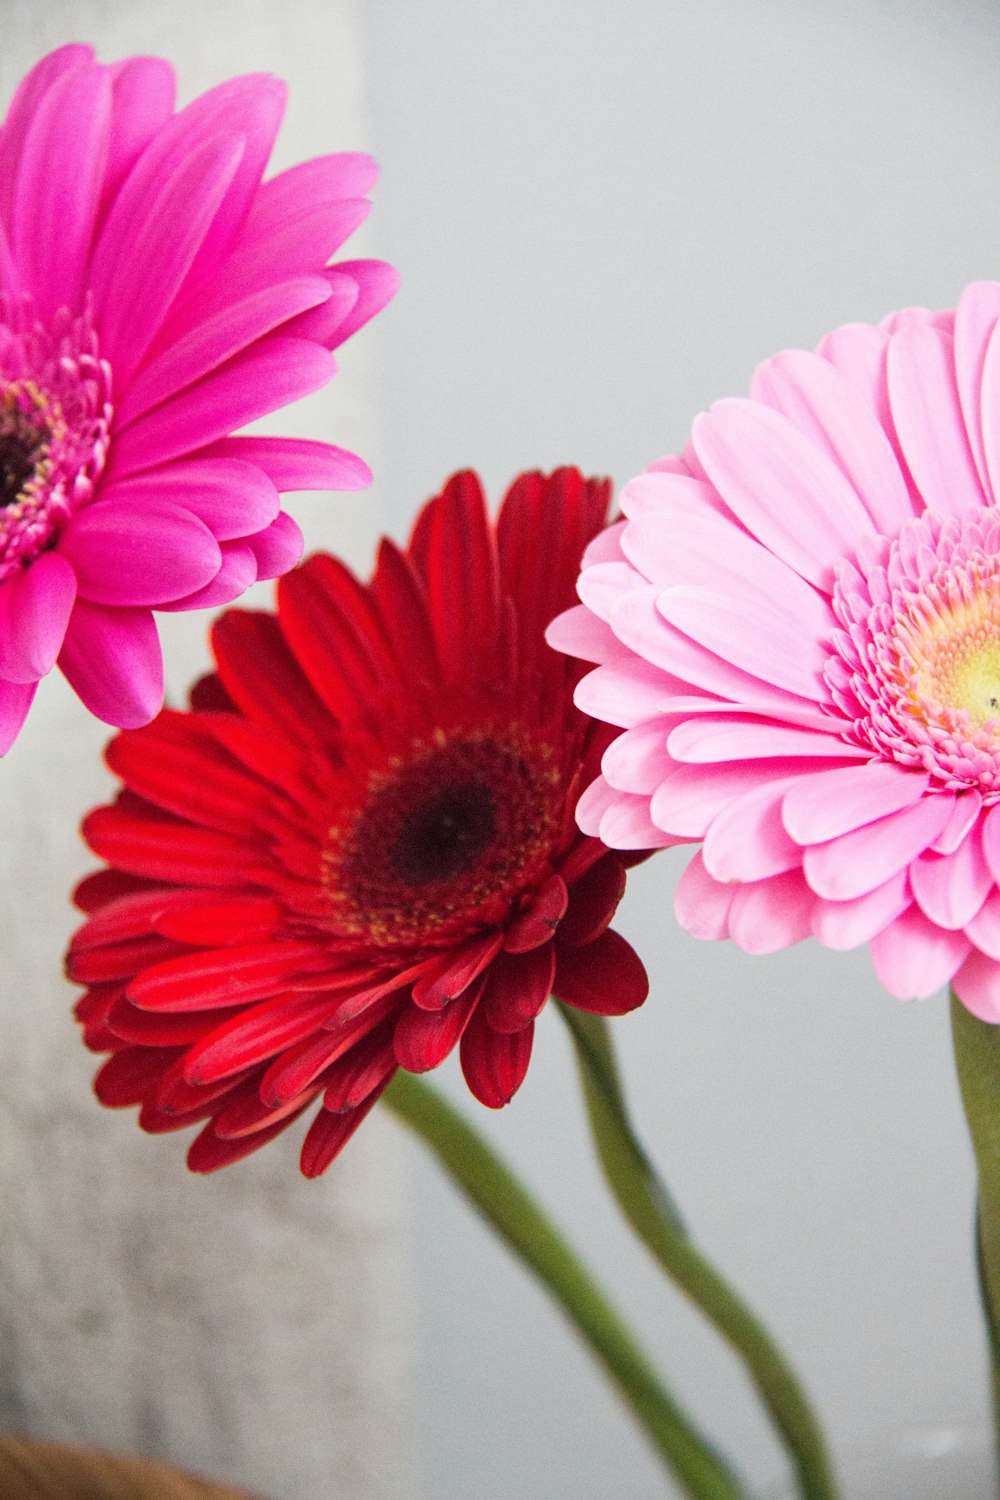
(30, 1470)
(155, 296)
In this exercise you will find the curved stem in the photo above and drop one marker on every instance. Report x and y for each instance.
(977, 1059)
(644, 1201)
(507, 1206)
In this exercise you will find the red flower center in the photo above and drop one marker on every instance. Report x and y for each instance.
(445, 837)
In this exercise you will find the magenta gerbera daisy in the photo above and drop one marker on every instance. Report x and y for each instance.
(155, 296)
(797, 630)
(357, 851)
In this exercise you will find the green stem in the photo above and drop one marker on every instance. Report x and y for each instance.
(506, 1205)
(977, 1058)
(646, 1205)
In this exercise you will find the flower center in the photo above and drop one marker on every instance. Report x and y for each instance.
(55, 418)
(444, 837)
(918, 667)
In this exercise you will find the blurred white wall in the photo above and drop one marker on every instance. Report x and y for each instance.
(249, 1325)
(604, 216)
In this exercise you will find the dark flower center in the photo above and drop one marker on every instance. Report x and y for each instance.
(445, 838)
(445, 834)
(22, 446)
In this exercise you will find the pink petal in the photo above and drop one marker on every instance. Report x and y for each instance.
(35, 606)
(984, 927)
(687, 800)
(298, 463)
(655, 493)
(968, 806)
(601, 585)
(771, 914)
(747, 840)
(702, 904)
(858, 352)
(15, 700)
(212, 342)
(626, 824)
(950, 888)
(928, 420)
(750, 630)
(594, 803)
(975, 319)
(822, 807)
(277, 548)
(731, 737)
(991, 841)
(138, 555)
(232, 498)
(859, 861)
(624, 695)
(913, 957)
(274, 372)
(846, 924)
(112, 660)
(822, 404)
(977, 985)
(58, 187)
(783, 488)
(577, 632)
(637, 760)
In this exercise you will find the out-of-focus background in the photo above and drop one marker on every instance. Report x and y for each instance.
(603, 217)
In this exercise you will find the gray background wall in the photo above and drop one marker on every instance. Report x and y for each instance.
(604, 216)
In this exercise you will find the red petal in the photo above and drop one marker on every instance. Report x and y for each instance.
(366, 1067)
(117, 960)
(208, 1153)
(222, 977)
(129, 915)
(174, 766)
(259, 1034)
(146, 1028)
(517, 987)
(329, 1133)
(456, 972)
(245, 1113)
(424, 1038)
(541, 919)
(593, 900)
(262, 677)
(221, 923)
(102, 886)
(494, 1065)
(454, 549)
(605, 977)
(127, 1077)
(295, 1069)
(161, 849)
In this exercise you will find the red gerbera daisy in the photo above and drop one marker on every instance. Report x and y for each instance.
(358, 848)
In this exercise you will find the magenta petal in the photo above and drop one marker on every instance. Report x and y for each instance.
(238, 570)
(112, 660)
(298, 463)
(24, 107)
(142, 101)
(274, 372)
(139, 555)
(277, 548)
(35, 607)
(15, 700)
(324, 179)
(377, 284)
(58, 187)
(217, 339)
(233, 499)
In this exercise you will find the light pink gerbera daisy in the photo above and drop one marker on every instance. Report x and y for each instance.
(155, 296)
(797, 627)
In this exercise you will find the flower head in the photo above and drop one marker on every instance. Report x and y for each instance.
(358, 848)
(155, 295)
(797, 630)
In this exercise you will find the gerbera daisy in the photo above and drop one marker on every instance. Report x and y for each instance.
(358, 848)
(155, 296)
(798, 632)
